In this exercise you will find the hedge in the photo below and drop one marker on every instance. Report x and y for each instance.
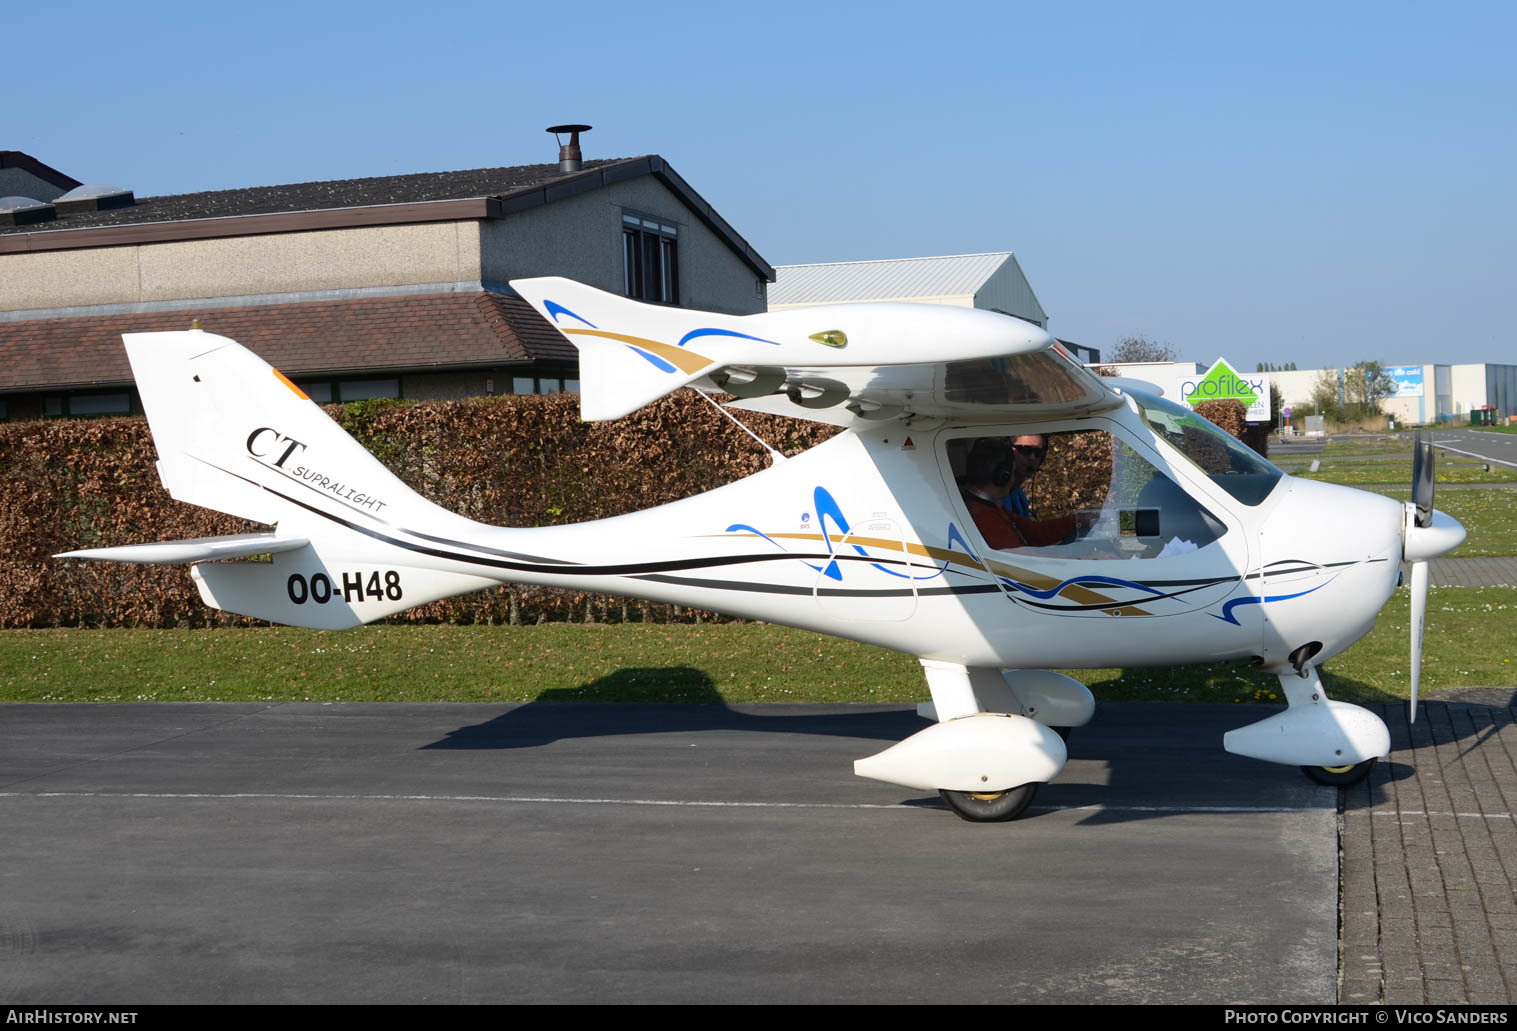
(513, 461)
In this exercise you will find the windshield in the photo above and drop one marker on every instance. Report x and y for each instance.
(1230, 463)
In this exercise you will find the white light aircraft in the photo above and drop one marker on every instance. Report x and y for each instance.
(1188, 546)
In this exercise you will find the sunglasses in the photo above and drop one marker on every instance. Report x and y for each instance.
(1030, 451)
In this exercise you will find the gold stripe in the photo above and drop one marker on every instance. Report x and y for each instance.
(686, 361)
(282, 378)
(958, 558)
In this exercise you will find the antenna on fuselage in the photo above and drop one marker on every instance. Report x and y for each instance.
(778, 458)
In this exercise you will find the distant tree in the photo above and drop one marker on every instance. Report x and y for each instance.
(1365, 386)
(1326, 399)
(1142, 349)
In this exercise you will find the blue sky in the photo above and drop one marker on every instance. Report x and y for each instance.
(1317, 183)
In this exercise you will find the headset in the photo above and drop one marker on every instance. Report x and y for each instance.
(990, 461)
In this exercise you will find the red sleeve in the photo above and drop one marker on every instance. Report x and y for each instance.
(1039, 533)
(995, 524)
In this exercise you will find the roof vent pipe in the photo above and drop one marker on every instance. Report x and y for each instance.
(569, 157)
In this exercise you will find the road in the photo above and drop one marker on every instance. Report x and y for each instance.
(551, 852)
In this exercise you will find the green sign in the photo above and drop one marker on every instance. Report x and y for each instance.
(1222, 382)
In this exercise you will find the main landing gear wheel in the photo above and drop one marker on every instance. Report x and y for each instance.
(990, 806)
(1340, 776)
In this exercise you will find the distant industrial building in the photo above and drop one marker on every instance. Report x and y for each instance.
(991, 281)
(1425, 394)
(394, 286)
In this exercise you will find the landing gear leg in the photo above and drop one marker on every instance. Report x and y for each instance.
(983, 757)
(1334, 743)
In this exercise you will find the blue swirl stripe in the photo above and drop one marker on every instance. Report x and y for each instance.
(828, 508)
(657, 362)
(956, 537)
(555, 309)
(1227, 610)
(694, 333)
(735, 527)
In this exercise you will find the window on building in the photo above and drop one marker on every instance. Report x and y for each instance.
(325, 392)
(364, 389)
(544, 385)
(85, 405)
(100, 404)
(651, 249)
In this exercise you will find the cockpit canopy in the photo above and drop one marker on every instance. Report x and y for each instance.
(1227, 461)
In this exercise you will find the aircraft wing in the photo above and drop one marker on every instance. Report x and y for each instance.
(841, 363)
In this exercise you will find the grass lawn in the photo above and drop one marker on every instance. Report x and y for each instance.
(1381, 471)
(1471, 640)
(1369, 446)
(1384, 461)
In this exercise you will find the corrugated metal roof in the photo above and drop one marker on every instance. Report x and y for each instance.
(954, 275)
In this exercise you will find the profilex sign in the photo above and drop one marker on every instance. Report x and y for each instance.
(1222, 382)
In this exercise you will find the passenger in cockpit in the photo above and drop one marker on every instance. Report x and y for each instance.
(1027, 454)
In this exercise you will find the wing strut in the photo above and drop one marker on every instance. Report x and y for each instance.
(778, 458)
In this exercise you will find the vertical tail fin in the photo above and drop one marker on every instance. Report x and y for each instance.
(235, 435)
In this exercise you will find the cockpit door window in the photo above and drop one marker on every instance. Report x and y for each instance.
(1083, 495)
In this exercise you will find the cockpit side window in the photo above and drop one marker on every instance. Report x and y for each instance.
(1227, 461)
(1078, 495)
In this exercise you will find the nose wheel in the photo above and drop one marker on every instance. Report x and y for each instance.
(990, 806)
(1340, 776)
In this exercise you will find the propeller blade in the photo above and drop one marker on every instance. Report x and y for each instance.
(1423, 477)
(1419, 617)
(1416, 462)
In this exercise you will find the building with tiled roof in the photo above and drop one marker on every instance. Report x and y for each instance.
(385, 286)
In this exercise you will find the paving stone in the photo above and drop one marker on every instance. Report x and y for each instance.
(1441, 851)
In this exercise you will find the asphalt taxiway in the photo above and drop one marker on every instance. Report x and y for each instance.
(555, 852)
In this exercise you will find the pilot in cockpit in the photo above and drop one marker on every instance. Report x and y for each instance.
(992, 472)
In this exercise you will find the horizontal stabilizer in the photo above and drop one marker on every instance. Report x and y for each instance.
(198, 549)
